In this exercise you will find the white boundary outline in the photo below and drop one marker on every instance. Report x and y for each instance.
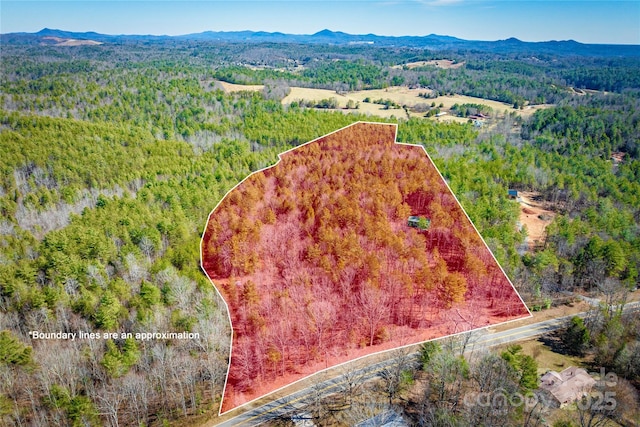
(367, 355)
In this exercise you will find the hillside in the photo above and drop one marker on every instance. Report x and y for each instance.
(317, 264)
(338, 38)
(113, 155)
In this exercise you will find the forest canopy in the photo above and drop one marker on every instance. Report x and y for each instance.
(314, 257)
(112, 157)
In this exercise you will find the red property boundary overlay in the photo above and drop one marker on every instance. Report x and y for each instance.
(318, 266)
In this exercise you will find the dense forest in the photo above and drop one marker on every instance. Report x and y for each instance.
(114, 155)
(317, 264)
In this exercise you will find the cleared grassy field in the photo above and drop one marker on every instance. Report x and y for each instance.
(307, 94)
(232, 87)
(298, 93)
(440, 63)
(399, 94)
(411, 98)
(548, 360)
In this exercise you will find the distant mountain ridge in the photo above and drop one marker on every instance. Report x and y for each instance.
(431, 41)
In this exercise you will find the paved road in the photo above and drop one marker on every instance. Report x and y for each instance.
(299, 400)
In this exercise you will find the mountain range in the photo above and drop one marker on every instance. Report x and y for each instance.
(430, 42)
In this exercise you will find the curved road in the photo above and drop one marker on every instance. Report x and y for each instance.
(299, 400)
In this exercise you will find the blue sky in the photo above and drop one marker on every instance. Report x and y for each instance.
(529, 20)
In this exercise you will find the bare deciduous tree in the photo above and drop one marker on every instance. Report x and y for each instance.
(395, 374)
(373, 308)
(352, 379)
